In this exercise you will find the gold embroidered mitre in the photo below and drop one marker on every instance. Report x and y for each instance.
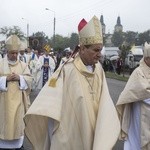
(23, 45)
(13, 43)
(146, 50)
(91, 32)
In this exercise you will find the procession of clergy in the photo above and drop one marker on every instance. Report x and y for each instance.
(73, 110)
(23, 64)
(41, 65)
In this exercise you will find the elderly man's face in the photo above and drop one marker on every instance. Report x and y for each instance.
(12, 55)
(90, 55)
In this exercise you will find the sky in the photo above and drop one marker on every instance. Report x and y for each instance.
(134, 14)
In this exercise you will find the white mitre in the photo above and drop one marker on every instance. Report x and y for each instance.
(23, 45)
(13, 43)
(91, 32)
(146, 50)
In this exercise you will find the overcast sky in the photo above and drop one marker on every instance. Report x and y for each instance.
(134, 14)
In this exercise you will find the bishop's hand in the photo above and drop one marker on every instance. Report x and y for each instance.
(13, 77)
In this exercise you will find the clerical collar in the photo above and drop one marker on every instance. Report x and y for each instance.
(89, 68)
(12, 62)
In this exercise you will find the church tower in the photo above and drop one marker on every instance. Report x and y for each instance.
(118, 26)
(103, 25)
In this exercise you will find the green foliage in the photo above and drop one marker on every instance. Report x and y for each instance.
(117, 38)
(117, 77)
(39, 34)
(130, 37)
(124, 50)
(7, 31)
(144, 37)
(74, 40)
(61, 42)
(43, 36)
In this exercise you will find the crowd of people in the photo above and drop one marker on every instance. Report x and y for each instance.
(41, 64)
(73, 109)
(22, 70)
(113, 65)
(15, 87)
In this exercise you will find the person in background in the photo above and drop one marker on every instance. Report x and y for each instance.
(74, 110)
(134, 106)
(22, 55)
(15, 86)
(47, 67)
(35, 69)
(29, 54)
(1, 57)
(106, 64)
(36, 53)
(67, 54)
(119, 65)
(58, 59)
(131, 65)
(52, 55)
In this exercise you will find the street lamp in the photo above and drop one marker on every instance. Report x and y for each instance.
(27, 31)
(53, 26)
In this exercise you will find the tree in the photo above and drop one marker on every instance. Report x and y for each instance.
(38, 40)
(42, 35)
(61, 42)
(74, 40)
(124, 51)
(130, 37)
(117, 38)
(144, 37)
(7, 31)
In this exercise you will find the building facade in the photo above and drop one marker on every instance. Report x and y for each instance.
(107, 36)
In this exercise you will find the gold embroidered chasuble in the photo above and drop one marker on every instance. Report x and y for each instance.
(13, 102)
(80, 105)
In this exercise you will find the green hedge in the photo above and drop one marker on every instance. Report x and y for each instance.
(113, 75)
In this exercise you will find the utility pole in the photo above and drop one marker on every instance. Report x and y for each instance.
(27, 31)
(54, 24)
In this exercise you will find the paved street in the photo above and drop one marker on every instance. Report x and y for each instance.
(115, 88)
